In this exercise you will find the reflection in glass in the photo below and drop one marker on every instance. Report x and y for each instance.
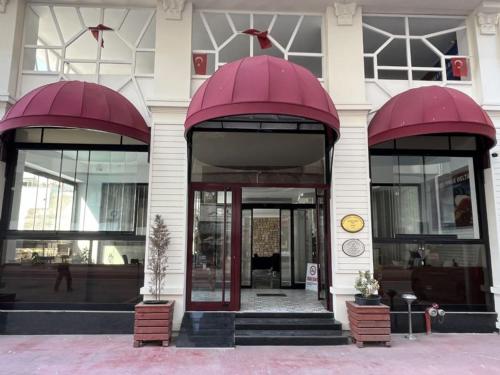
(304, 229)
(249, 157)
(80, 190)
(454, 275)
(424, 195)
(286, 248)
(246, 248)
(71, 271)
(211, 248)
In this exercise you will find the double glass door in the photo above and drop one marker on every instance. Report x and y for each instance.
(278, 243)
(223, 254)
(214, 249)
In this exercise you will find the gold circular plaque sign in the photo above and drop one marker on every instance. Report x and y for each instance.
(352, 223)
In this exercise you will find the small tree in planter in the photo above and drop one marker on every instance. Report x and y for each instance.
(153, 318)
(368, 288)
(369, 320)
(159, 240)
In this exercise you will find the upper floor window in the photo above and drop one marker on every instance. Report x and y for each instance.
(218, 38)
(416, 48)
(110, 46)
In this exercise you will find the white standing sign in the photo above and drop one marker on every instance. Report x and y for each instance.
(312, 277)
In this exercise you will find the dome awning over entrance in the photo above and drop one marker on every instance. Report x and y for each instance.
(262, 85)
(430, 110)
(76, 104)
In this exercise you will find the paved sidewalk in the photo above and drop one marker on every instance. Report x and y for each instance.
(438, 354)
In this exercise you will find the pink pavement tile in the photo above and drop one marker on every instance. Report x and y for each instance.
(113, 354)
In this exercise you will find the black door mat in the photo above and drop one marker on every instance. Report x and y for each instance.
(271, 295)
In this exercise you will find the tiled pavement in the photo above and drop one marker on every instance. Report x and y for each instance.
(91, 354)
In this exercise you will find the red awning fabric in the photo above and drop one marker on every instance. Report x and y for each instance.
(430, 110)
(262, 85)
(76, 104)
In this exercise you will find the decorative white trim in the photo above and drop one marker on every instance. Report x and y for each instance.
(491, 108)
(408, 69)
(6, 98)
(160, 103)
(487, 23)
(285, 48)
(344, 13)
(495, 289)
(173, 9)
(3, 6)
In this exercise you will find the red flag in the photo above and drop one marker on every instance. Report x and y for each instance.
(95, 30)
(200, 63)
(459, 67)
(264, 41)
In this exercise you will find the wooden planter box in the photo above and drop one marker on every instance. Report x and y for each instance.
(369, 323)
(153, 323)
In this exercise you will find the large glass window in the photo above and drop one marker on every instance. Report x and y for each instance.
(432, 195)
(253, 157)
(80, 190)
(75, 231)
(426, 229)
(60, 273)
(451, 274)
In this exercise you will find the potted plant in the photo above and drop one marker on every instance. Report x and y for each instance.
(368, 288)
(153, 318)
(369, 320)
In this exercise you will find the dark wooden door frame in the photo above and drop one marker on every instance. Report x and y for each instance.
(234, 302)
(236, 206)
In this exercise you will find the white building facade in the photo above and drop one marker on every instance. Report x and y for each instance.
(428, 199)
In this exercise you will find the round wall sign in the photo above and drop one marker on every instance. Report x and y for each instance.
(353, 247)
(352, 223)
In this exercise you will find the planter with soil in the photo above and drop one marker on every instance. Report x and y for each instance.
(153, 322)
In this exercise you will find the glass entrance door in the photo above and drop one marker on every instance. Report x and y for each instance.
(213, 277)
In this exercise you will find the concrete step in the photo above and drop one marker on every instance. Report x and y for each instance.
(287, 324)
(289, 337)
(251, 314)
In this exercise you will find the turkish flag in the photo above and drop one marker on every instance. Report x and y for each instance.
(200, 63)
(95, 30)
(459, 67)
(262, 37)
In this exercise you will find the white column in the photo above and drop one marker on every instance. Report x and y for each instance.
(11, 30)
(485, 40)
(168, 149)
(350, 180)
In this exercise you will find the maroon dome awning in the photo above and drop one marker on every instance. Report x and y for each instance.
(430, 110)
(262, 85)
(76, 104)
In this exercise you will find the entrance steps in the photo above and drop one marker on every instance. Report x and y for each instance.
(288, 329)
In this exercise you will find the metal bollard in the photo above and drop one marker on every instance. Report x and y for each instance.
(409, 298)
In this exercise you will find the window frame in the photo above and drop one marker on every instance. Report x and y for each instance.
(328, 155)
(11, 152)
(283, 49)
(408, 38)
(480, 197)
(480, 162)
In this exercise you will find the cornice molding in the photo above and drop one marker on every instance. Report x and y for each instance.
(3, 6)
(344, 13)
(172, 9)
(487, 23)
